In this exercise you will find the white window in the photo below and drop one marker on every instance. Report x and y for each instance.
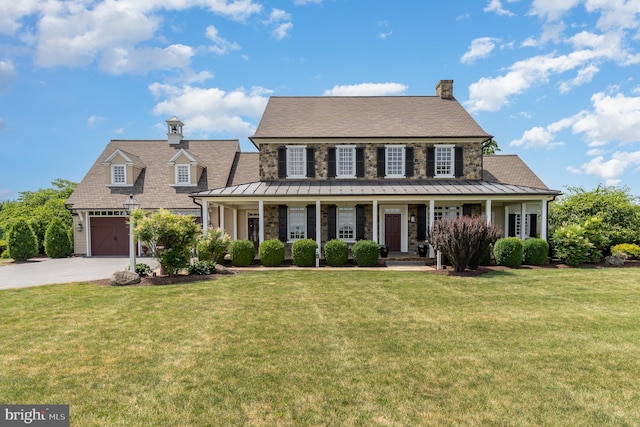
(448, 212)
(346, 223)
(183, 174)
(394, 162)
(444, 161)
(296, 162)
(118, 175)
(297, 229)
(346, 159)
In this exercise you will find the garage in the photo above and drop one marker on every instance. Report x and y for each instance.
(109, 236)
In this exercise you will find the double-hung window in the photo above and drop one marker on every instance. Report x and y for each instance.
(444, 161)
(118, 175)
(346, 161)
(346, 223)
(394, 161)
(183, 174)
(296, 161)
(296, 223)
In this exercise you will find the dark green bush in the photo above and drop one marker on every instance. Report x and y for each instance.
(3, 245)
(56, 240)
(336, 252)
(242, 253)
(213, 246)
(632, 250)
(366, 253)
(303, 252)
(535, 251)
(271, 253)
(22, 241)
(143, 270)
(509, 251)
(202, 268)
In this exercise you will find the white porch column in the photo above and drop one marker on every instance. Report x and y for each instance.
(205, 217)
(488, 211)
(505, 232)
(261, 220)
(87, 232)
(545, 219)
(235, 224)
(221, 210)
(432, 220)
(318, 226)
(375, 220)
(523, 229)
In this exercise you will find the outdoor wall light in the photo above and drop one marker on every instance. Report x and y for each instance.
(79, 227)
(412, 218)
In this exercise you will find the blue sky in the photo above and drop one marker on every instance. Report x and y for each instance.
(556, 81)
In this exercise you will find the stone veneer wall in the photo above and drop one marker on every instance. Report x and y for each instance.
(269, 160)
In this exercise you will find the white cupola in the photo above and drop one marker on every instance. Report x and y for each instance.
(174, 130)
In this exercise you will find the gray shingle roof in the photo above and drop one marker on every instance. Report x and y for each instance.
(153, 187)
(366, 117)
(509, 169)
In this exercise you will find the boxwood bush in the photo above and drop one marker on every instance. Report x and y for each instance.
(508, 251)
(366, 253)
(202, 268)
(242, 253)
(336, 253)
(22, 241)
(632, 250)
(271, 253)
(303, 252)
(536, 251)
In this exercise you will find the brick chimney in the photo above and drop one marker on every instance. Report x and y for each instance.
(444, 89)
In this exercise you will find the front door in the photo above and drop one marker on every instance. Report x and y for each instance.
(254, 231)
(392, 234)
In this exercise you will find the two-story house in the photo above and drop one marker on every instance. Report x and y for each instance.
(381, 167)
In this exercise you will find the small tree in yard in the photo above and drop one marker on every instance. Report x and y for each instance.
(171, 237)
(22, 241)
(213, 246)
(464, 241)
(56, 240)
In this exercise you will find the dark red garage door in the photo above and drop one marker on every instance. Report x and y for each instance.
(109, 236)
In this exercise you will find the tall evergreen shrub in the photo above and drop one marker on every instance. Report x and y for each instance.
(22, 241)
(56, 240)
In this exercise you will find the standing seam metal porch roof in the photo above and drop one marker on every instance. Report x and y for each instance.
(378, 188)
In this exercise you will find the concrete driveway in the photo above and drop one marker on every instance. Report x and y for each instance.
(43, 271)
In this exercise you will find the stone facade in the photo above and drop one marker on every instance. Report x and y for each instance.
(269, 160)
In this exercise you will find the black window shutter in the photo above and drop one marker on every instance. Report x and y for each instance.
(360, 222)
(282, 222)
(533, 225)
(512, 225)
(331, 222)
(311, 222)
(311, 163)
(466, 209)
(431, 161)
(282, 162)
(459, 162)
(331, 163)
(381, 162)
(360, 162)
(408, 161)
(422, 222)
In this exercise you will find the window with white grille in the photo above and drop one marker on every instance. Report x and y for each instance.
(394, 161)
(118, 174)
(296, 162)
(346, 162)
(183, 175)
(296, 223)
(444, 161)
(346, 223)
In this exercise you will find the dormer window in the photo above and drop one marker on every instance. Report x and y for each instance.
(123, 169)
(187, 169)
(183, 174)
(118, 175)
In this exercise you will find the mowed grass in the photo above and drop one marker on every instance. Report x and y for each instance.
(518, 347)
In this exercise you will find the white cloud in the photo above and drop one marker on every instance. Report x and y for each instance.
(93, 119)
(281, 20)
(585, 75)
(221, 46)
(367, 89)
(480, 48)
(7, 74)
(610, 169)
(141, 61)
(616, 14)
(211, 110)
(496, 7)
(552, 10)
(305, 2)
(536, 137)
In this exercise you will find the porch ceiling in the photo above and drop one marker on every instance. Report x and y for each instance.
(374, 188)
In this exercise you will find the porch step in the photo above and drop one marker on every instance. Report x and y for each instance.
(404, 263)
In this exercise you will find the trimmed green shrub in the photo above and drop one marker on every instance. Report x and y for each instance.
(271, 253)
(463, 241)
(508, 251)
(536, 251)
(242, 253)
(22, 241)
(56, 240)
(213, 246)
(336, 252)
(365, 253)
(143, 270)
(632, 250)
(303, 252)
(575, 244)
(202, 268)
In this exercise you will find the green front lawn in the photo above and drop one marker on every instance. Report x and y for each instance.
(517, 347)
